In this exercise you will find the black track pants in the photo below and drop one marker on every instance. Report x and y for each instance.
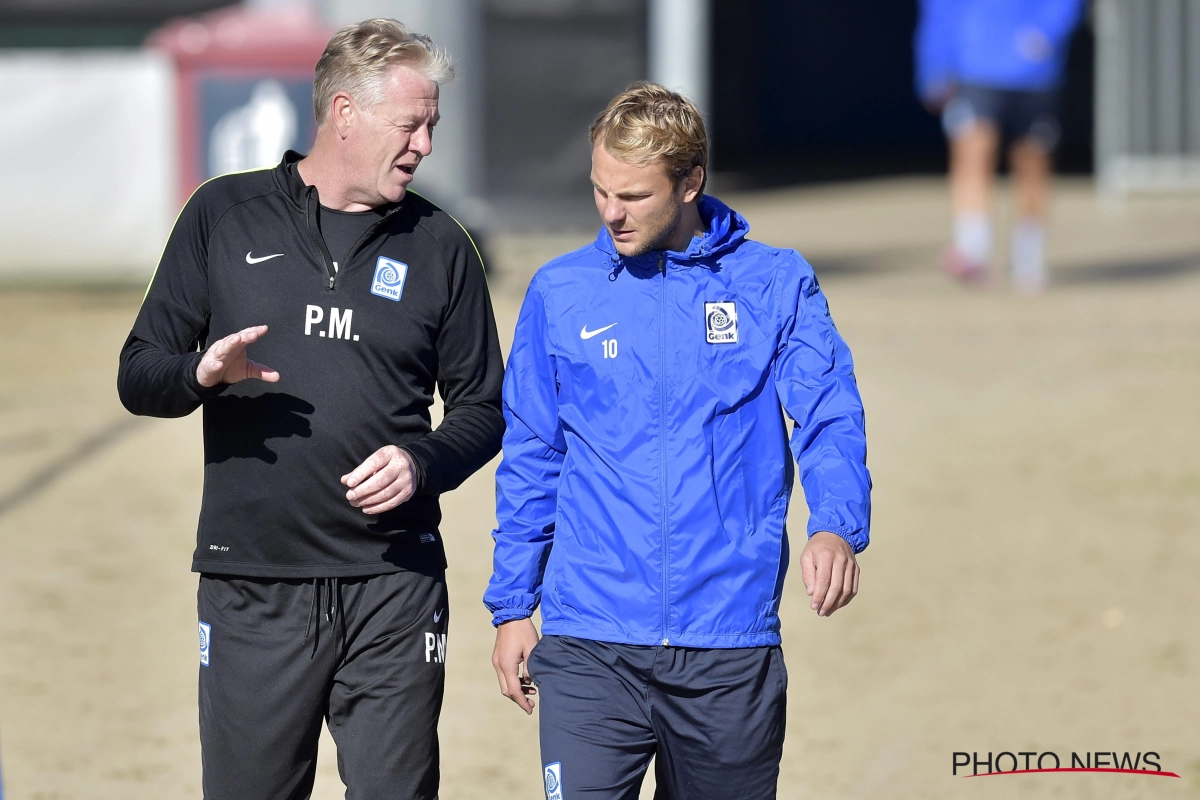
(279, 656)
(714, 719)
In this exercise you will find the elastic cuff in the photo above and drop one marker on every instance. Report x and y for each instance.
(509, 614)
(855, 538)
(419, 471)
(193, 385)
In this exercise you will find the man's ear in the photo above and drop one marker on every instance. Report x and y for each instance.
(692, 184)
(343, 113)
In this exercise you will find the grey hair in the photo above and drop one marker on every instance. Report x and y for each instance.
(359, 56)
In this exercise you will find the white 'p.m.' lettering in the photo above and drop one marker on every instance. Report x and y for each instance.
(340, 320)
(312, 316)
(435, 648)
(339, 323)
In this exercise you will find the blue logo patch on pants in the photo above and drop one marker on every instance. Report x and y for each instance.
(554, 781)
(389, 278)
(205, 642)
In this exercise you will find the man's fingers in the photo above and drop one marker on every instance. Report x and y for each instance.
(375, 462)
(515, 692)
(261, 371)
(388, 505)
(808, 572)
(833, 594)
(226, 352)
(248, 335)
(500, 678)
(849, 584)
(380, 497)
(823, 565)
(383, 478)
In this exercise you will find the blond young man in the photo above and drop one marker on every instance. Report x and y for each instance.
(646, 478)
(322, 587)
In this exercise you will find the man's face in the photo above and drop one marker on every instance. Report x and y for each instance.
(640, 208)
(390, 139)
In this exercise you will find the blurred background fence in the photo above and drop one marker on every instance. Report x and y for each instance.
(1148, 106)
(119, 108)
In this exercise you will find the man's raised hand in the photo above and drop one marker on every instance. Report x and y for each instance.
(830, 572)
(226, 362)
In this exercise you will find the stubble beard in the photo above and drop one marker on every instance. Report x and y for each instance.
(659, 234)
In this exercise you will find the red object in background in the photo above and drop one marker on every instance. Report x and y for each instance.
(243, 87)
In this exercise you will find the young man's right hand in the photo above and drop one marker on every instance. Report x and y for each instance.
(226, 362)
(515, 640)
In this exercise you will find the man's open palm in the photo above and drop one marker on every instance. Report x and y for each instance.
(226, 362)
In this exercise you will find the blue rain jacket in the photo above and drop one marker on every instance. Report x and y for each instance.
(646, 476)
(1004, 44)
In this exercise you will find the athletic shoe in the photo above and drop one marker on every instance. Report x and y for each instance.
(961, 268)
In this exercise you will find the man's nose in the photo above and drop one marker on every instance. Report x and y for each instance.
(421, 141)
(614, 211)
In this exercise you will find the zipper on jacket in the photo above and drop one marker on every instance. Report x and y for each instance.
(319, 243)
(662, 445)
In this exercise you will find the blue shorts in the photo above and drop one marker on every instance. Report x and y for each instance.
(713, 719)
(1017, 114)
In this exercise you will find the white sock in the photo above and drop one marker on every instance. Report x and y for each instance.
(973, 236)
(1028, 255)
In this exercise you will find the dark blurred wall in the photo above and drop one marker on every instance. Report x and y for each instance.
(552, 65)
(818, 90)
(89, 23)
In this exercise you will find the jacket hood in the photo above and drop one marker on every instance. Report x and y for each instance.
(724, 230)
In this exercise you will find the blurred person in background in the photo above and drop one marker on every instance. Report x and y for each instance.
(646, 477)
(993, 69)
(322, 593)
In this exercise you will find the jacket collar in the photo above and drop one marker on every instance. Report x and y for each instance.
(724, 230)
(300, 194)
(289, 182)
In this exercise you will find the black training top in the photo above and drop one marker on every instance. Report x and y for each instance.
(359, 352)
(342, 229)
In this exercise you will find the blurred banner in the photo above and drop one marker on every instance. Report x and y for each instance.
(89, 184)
(244, 87)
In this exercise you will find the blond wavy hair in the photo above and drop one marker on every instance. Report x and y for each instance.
(359, 56)
(649, 123)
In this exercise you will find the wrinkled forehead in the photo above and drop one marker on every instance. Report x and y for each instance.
(404, 88)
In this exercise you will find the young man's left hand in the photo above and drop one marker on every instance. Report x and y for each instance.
(830, 572)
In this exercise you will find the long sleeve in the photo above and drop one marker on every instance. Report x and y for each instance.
(935, 45)
(814, 378)
(157, 373)
(470, 376)
(527, 479)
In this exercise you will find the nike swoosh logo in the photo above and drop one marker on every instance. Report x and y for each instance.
(586, 334)
(437, 615)
(250, 260)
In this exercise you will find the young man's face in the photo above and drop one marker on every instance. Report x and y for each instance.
(389, 140)
(638, 204)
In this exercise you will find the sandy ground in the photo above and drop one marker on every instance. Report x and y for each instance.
(1032, 585)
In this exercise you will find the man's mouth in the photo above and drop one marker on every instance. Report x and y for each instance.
(621, 236)
(407, 169)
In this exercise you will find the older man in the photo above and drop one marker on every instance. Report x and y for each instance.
(322, 591)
